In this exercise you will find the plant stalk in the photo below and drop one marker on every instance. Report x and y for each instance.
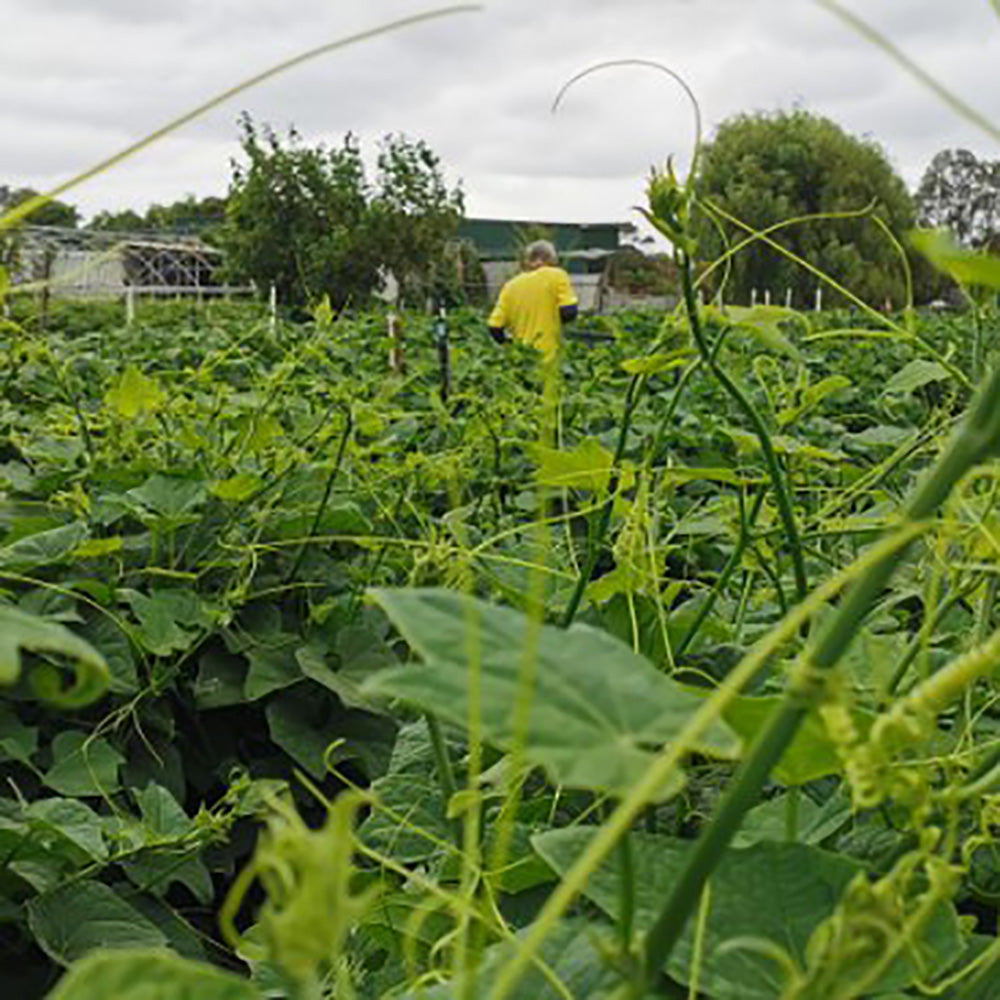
(977, 439)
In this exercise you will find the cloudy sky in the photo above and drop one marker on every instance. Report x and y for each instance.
(80, 79)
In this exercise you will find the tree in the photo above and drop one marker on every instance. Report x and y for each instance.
(52, 213)
(961, 193)
(308, 221)
(765, 169)
(414, 215)
(190, 216)
(125, 221)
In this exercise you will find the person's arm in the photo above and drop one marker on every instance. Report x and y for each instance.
(569, 304)
(498, 318)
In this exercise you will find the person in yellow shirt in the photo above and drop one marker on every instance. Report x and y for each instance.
(534, 305)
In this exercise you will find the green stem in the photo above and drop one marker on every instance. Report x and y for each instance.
(327, 490)
(746, 527)
(978, 439)
(782, 496)
(595, 539)
(445, 773)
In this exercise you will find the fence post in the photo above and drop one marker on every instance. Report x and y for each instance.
(397, 360)
(753, 297)
(788, 298)
(767, 296)
(129, 305)
(272, 309)
(444, 359)
(819, 299)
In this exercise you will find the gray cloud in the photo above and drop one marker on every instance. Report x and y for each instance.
(78, 84)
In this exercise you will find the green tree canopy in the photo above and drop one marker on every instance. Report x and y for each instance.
(764, 169)
(189, 216)
(52, 213)
(307, 219)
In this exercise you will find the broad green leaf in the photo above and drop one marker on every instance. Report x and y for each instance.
(683, 474)
(236, 488)
(161, 813)
(771, 893)
(597, 710)
(21, 631)
(272, 669)
(134, 394)
(113, 643)
(574, 956)
(97, 547)
(82, 765)
(656, 364)
(70, 820)
(17, 741)
(812, 396)
(407, 820)
(82, 916)
(220, 681)
(169, 620)
(586, 467)
(149, 975)
(967, 267)
(317, 732)
(811, 754)
(917, 373)
(763, 324)
(44, 547)
(168, 496)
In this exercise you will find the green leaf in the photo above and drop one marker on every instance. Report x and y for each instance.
(271, 670)
(70, 820)
(917, 373)
(586, 467)
(82, 765)
(149, 975)
(811, 754)
(763, 323)
(17, 741)
(161, 617)
(656, 364)
(573, 955)
(21, 631)
(236, 488)
(597, 710)
(407, 821)
(82, 916)
(967, 267)
(220, 681)
(317, 732)
(134, 394)
(44, 548)
(774, 894)
(168, 496)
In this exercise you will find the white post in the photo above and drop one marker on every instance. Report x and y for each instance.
(788, 298)
(753, 297)
(272, 308)
(767, 296)
(129, 305)
(819, 299)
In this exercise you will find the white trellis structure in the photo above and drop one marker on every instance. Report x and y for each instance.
(83, 263)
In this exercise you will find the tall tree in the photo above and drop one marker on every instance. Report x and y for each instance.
(415, 214)
(307, 220)
(961, 193)
(764, 169)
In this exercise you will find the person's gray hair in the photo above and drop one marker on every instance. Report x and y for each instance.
(540, 251)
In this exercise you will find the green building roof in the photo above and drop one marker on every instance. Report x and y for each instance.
(501, 239)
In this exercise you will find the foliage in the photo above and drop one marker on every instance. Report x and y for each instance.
(188, 216)
(961, 193)
(52, 213)
(309, 222)
(764, 170)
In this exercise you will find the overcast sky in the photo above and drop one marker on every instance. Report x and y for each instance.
(80, 79)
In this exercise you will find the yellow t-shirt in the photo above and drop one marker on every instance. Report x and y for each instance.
(528, 306)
